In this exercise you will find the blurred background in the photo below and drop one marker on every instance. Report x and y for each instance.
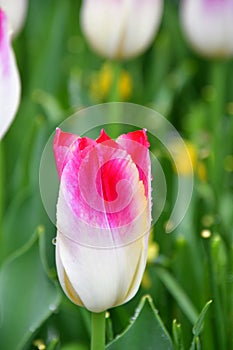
(176, 58)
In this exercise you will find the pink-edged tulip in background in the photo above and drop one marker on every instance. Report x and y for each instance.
(208, 26)
(9, 78)
(16, 11)
(120, 29)
(103, 216)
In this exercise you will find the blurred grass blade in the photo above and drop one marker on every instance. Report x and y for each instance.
(196, 345)
(50, 105)
(2, 186)
(74, 346)
(53, 344)
(198, 326)
(178, 293)
(177, 335)
(109, 328)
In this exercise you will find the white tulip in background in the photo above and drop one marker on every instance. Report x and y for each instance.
(16, 11)
(9, 78)
(120, 29)
(208, 26)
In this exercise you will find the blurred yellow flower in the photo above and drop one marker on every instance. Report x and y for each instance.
(153, 252)
(201, 171)
(102, 83)
(184, 165)
(146, 280)
(39, 344)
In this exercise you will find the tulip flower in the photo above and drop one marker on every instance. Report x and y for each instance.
(103, 217)
(16, 11)
(120, 29)
(208, 25)
(9, 78)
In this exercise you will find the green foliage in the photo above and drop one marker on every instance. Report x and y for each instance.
(28, 296)
(177, 336)
(196, 95)
(198, 327)
(154, 334)
(179, 295)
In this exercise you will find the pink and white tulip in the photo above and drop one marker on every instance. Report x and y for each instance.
(16, 11)
(9, 78)
(208, 25)
(120, 29)
(103, 217)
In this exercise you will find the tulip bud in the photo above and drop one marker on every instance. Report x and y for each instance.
(103, 217)
(120, 29)
(16, 11)
(9, 78)
(208, 25)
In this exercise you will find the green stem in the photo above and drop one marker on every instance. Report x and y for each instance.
(115, 97)
(2, 192)
(218, 322)
(218, 81)
(114, 92)
(229, 304)
(98, 331)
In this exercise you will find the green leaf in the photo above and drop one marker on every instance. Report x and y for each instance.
(74, 346)
(196, 345)
(50, 105)
(178, 293)
(16, 236)
(146, 330)
(27, 296)
(198, 326)
(177, 335)
(53, 344)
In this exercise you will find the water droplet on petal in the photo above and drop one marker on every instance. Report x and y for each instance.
(54, 241)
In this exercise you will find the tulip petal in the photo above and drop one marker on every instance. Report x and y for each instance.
(137, 136)
(16, 11)
(103, 217)
(101, 193)
(103, 137)
(102, 278)
(120, 29)
(136, 144)
(9, 78)
(63, 146)
(208, 26)
(64, 279)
